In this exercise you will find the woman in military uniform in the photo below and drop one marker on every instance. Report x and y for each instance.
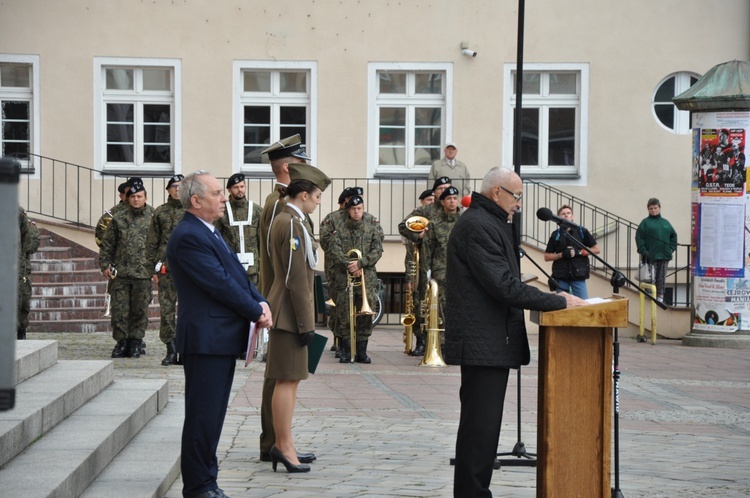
(294, 257)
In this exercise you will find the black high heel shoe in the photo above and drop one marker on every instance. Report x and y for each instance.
(277, 456)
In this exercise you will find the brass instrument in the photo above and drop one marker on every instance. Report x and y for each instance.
(408, 319)
(108, 296)
(416, 224)
(356, 255)
(432, 355)
(102, 227)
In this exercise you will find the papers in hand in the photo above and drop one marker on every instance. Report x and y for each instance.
(252, 341)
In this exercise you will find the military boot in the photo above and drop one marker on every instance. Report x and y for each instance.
(362, 352)
(134, 348)
(121, 349)
(171, 358)
(419, 348)
(21, 334)
(345, 355)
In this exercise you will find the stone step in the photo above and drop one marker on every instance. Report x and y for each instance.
(102, 324)
(67, 459)
(68, 289)
(48, 398)
(52, 252)
(65, 314)
(65, 265)
(42, 278)
(90, 301)
(33, 357)
(149, 464)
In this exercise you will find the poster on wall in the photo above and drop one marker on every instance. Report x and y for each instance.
(721, 304)
(721, 162)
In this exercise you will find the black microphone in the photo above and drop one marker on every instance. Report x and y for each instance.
(545, 214)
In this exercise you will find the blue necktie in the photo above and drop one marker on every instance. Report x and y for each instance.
(221, 239)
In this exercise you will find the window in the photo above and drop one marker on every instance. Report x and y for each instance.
(664, 110)
(555, 111)
(272, 101)
(19, 108)
(410, 109)
(137, 115)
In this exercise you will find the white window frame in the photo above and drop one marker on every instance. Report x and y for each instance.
(373, 124)
(575, 175)
(100, 114)
(681, 118)
(31, 165)
(241, 98)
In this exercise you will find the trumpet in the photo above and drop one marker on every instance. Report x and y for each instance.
(356, 255)
(108, 296)
(417, 224)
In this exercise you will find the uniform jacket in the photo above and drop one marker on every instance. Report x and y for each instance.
(458, 173)
(217, 301)
(271, 208)
(291, 299)
(124, 243)
(165, 219)
(231, 234)
(28, 242)
(485, 297)
(656, 237)
(436, 244)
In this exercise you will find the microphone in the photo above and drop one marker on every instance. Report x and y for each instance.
(545, 214)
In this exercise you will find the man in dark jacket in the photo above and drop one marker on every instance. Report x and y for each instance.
(485, 331)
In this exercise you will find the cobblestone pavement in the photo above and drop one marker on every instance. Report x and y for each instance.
(388, 429)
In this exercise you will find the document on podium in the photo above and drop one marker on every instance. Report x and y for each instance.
(598, 300)
(252, 340)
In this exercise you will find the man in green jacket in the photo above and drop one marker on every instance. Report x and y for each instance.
(656, 241)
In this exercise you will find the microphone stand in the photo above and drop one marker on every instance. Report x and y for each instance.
(522, 457)
(617, 280)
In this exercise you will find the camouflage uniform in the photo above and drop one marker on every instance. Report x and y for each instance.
(434, 248)
(327, 230)
(231, 233)
(28, 243)
(366, 236)
(124, 247)
(103, 223)
(165, 219)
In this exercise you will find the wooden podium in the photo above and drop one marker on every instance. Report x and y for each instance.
(574, 416)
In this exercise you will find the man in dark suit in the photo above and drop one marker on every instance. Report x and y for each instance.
(217, 304)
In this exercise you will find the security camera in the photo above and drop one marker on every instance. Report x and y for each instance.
(468, 52)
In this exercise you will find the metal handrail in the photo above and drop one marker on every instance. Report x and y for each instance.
(77, 194)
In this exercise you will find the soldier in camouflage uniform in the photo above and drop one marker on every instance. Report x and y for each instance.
(242, 214)
(356, 232)
(435, 242)
(28, 243)
(165, 219)
(124, 250)
(427, 211)
(103, 222)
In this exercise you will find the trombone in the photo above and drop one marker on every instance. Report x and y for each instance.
(416, 224)
(356, 255)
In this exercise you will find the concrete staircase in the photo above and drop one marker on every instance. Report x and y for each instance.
(75, 431)
(68, 290)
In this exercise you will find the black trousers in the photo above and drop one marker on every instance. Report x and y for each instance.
(208, 384)
(482, 398)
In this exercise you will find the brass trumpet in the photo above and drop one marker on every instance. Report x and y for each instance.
(356, 255)
(417, 223)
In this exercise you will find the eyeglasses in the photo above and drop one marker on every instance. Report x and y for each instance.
(517, 197)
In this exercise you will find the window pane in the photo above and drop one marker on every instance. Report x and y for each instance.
(157, 153)
(529, 136)
(15, 75)
(428, 116)
(120, 153)
(293, 82)
(156, 113)
(562, 135)
(392, 116)
(157, 79)
(119, 79)
(119, 113)
(665, 113)
(531, 83)
(15, 110)
(563, 84)
(429, 83)
(293, 115)
(120, 132)
(18, 149)
(16, 131)
(256, 132)
(665, 91)
(392, 135)
(392, 82)
(257, 81)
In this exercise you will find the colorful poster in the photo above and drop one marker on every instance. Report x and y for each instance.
(721, 305)
(721, 162)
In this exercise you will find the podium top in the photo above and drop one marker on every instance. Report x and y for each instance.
(610, 312)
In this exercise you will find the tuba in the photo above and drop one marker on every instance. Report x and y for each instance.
(356, 255)
(432, 355)
(415, 224)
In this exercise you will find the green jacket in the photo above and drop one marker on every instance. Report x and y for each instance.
(251, 233)
(124, 243)
(656, 239)
(165, 219)
(28, 242)
(435, 244)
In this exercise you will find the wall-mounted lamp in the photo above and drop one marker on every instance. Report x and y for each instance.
(465, 50)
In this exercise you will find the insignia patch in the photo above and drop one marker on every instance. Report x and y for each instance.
(294, 242)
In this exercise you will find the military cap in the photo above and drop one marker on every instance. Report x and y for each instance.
(443, 180)
(287, 147)
(123, 187)
(354, 201)
(235, 179)
(425, 194)
(133, 180)
(136, 187)
(174, 179)
(302, 171)
(448, 191)
(350, 191)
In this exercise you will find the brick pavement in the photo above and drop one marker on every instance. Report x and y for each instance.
(388, 429)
